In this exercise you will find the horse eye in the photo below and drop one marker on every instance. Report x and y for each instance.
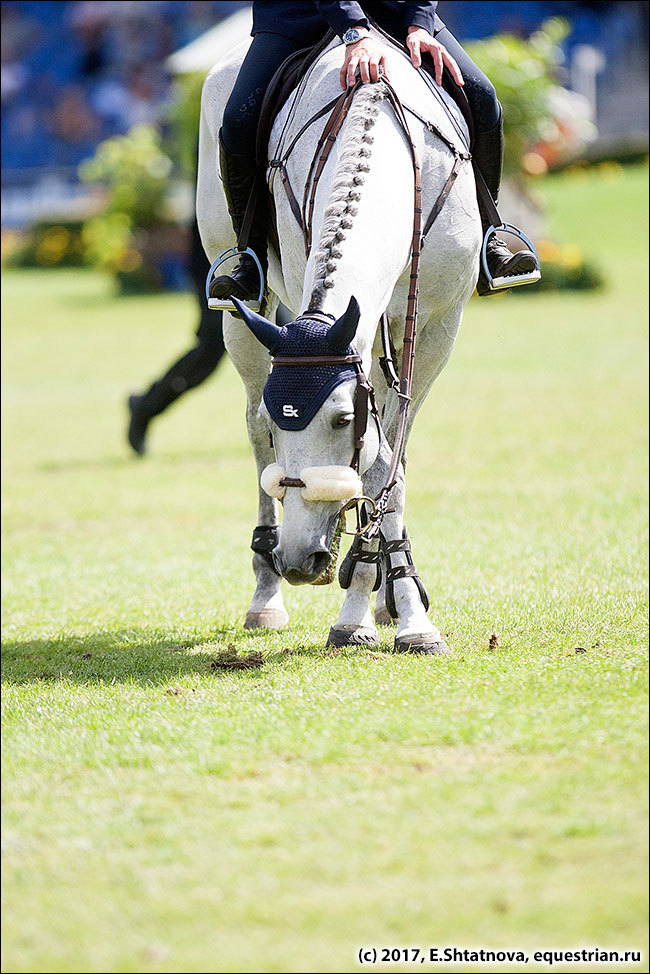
(344, 420)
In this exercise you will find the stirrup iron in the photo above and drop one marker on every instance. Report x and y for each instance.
(513, 280)
(225, 304)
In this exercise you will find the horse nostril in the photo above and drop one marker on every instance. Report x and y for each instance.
(317, 562)
(313, 566)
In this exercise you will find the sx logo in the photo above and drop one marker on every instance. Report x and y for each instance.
(289, 411)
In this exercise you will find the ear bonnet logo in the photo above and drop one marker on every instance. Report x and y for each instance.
(293, 395)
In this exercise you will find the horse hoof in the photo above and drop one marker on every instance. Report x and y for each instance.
(422, 643)
(351, 636)
(384, 618)
(266, 619)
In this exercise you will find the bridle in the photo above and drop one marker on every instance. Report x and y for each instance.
(364, 405)
(376, 508)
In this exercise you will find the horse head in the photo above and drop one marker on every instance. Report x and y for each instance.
(311, 403)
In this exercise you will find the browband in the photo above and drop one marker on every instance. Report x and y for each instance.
(316, 360)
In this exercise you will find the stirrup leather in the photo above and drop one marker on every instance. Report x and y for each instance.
(225, 304)
(401, 571)
(513, 280)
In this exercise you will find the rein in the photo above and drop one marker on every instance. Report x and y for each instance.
(365, 400)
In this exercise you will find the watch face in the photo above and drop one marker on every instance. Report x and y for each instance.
(351, 35)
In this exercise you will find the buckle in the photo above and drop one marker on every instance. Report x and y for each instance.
(513, 280)
(225, 304)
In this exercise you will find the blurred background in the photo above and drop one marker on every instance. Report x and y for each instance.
(100, 103)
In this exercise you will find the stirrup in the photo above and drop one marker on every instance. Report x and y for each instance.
(225, 304)
(512, 280)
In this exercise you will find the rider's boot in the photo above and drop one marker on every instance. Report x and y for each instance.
(187, 373)
(501, 261)
(239, 174)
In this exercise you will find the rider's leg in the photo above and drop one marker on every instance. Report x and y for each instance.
(192, 368)
(187, 373)
(488, 154)
(237, 143)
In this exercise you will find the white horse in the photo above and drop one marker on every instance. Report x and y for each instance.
(362, 234)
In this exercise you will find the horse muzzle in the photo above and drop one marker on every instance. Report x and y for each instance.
(305, 573)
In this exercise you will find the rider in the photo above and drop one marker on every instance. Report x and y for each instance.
(280, 29)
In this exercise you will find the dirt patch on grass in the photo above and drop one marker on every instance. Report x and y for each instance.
(230, 659)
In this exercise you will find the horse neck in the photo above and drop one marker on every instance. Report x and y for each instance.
(365, 201)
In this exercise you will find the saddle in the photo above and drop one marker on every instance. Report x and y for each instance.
(285, 80)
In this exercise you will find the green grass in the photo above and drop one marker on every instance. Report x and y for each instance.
(161, 815)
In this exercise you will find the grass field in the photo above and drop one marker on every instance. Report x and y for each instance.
(160, 815)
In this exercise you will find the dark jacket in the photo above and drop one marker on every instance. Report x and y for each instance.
(308, 22)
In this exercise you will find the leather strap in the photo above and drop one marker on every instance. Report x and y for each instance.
(321, 155)
(485, 197)
(284, 176)
(316, 360)
(444, 193)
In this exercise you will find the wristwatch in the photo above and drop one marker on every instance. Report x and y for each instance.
(354, 34)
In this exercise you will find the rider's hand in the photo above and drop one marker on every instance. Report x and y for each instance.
(368, 56)
(419, 40)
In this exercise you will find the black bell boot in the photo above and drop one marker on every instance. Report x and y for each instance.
(501, 261)
(239, 174)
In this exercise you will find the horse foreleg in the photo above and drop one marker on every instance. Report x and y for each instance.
(354, 625)
(402, 597)
(251, 361)
(267, 607)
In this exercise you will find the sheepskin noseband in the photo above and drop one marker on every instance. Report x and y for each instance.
(318, 483)
(294, 394)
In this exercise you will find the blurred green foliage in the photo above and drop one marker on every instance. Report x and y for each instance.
(183, 124)
(48, 243)
(524, 75)
(135, 170)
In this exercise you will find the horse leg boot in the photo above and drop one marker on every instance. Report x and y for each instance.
(403, 596)
(406, 598)
(239, 174)
(488, 156)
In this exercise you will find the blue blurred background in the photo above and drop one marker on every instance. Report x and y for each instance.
(76, 73)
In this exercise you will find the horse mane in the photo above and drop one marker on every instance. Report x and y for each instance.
(349, 177)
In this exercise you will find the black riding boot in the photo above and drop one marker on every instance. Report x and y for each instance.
(239, 174)
(190, 370)
(488, 156)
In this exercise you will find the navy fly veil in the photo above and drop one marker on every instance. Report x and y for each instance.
(294, 394)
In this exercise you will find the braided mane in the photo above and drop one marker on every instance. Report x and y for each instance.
(349, 177)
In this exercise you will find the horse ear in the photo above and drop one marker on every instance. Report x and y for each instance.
(342, 332)
(264, 330)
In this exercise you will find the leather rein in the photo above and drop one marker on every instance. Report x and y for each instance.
(365, 399)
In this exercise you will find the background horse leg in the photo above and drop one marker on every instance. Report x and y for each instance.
(252, 362)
